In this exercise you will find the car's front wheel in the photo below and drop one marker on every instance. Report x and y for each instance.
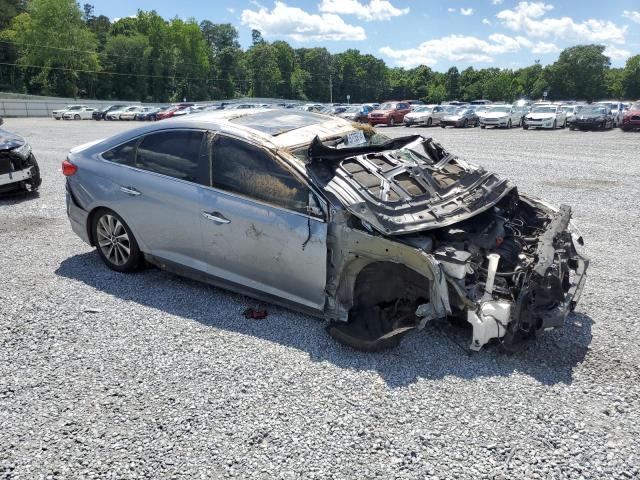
(392, 122)
(429, 122)
(115, 242)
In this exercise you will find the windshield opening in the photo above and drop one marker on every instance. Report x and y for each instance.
(388, 106)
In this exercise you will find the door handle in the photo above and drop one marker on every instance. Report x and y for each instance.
(130, 191)
(216, 217)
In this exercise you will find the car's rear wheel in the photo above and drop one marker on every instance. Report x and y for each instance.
(115, 242)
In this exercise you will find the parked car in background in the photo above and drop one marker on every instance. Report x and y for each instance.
(414, 103)
(571, 111)
(617, 110)
(85, 113)
(500, 116)
(389, 113)
(115, 114)
(57, 114)
(481, 102)
(631, 118)
(376, 236)
(357, 113)
(101, 113)
(591, 117)
(461, 117)
(130, 113)
(18, 166)
(149, 114)
(426, 115)
(545, 115)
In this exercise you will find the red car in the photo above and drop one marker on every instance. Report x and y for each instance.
(170, 112)
(631, 119)
(389, 113)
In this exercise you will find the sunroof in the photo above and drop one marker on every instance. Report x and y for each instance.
(276, 122)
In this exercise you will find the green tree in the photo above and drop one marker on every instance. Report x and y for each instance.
(10, 9)
(58, 44)
(452, 83)
(262, 61)
(579, 73)
(631, 78)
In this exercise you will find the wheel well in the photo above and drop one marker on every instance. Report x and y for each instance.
(90, 218)
(384, 282)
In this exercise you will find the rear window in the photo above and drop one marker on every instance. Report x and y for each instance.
(276, 122)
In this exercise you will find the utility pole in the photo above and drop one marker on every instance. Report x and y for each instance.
(330, 90)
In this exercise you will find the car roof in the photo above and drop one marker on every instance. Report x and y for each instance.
(274, 128)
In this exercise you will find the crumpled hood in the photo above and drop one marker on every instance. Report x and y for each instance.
(406, 185)
(9, 141)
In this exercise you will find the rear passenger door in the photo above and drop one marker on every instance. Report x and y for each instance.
(258, 230)
(157, 191)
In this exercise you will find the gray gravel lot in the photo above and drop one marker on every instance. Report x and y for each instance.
(167, 379)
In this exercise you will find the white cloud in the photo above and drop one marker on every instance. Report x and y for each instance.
(545, 47)
(374, 10)
(616, 53)
(486, 21)
(451, 10)
(300, 26)
(466, 11)
(632, 15)
(457, 48)
(526, 17)
(231, 10)
(497, 2)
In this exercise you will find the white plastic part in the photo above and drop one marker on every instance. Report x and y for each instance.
(493, 258)
(489, 322)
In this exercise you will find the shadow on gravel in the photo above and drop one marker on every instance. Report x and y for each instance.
(440, 350)
(14, 198)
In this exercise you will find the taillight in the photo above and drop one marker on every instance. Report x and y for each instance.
(68, 168)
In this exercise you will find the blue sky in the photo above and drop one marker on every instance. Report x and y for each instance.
(438, 33)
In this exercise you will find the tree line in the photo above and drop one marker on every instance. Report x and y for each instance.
(54, 47)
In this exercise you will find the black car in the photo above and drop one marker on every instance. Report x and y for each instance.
(592, 117)
(18, 167)
(102, 113)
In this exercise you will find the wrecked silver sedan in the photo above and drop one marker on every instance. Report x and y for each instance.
(378, 236)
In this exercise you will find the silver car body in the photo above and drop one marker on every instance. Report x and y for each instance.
(425, 115)
(343, 251)
(500, 116)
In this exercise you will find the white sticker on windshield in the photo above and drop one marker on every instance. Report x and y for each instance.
(356, 138)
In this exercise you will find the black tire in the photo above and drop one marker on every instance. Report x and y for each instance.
(442, 125)
(572, 128)
(392, 122)
(76, 117)
(509, 124)
(35, 181)
(429, 122)
(525, 127)
(465, 124)
(56, 118)
(135, 259)
(483, 126)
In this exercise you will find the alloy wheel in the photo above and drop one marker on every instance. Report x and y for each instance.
(113, 240)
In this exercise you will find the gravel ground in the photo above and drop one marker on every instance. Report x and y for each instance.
(104, 375)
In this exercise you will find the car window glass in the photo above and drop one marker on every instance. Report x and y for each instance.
(124, 154)
(239, 167)
(176, 154)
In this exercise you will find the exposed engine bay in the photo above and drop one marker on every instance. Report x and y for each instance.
(506, 263)
(19, 169)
